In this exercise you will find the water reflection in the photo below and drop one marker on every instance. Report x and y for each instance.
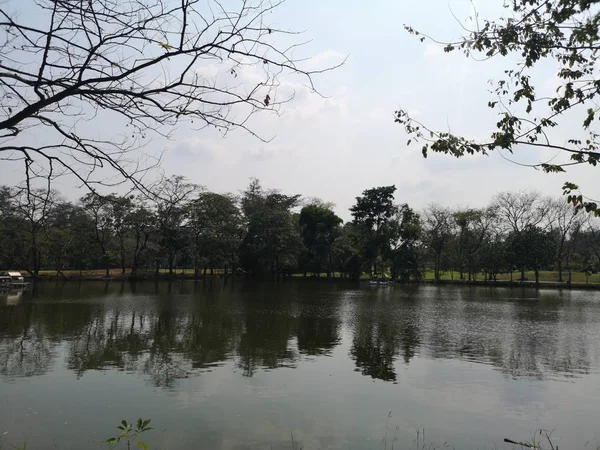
(165, 332)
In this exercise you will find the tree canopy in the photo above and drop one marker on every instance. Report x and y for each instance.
(265, 233)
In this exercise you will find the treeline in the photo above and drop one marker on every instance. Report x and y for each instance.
(265, 233)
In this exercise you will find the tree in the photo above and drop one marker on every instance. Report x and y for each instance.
(493, 255)
(120, 210)
(100, 213)
(11, 237)
(521, 210)
(172, 198)
(586, 241)
(272, 242)
(564, 221)
(215, 221)
(533, 248)
(60, 233)
(572, 245)
(143, 65)
(142, 223)
(373, 212)
(320, 227)
(405, 232)
(436, 234)
(565, 32)
(473, 226)
(34, 207)
(347, 252)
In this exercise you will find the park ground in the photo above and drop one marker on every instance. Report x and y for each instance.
(545, 276)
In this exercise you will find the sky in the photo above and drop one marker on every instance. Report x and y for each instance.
(336, 145)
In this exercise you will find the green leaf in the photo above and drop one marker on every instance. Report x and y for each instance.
(164, 45)
(142, 445)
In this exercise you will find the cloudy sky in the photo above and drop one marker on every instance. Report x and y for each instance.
(337, 146)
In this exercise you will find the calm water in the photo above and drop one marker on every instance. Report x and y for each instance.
(245, 365)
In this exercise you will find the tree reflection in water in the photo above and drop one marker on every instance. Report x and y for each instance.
(168, 332)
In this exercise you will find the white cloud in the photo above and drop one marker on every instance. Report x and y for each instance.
(433, 50)
(335, 147)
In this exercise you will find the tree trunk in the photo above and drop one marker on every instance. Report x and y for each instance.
(34, 255)
(171, 262)
(560, 278)
(537, 275)
(196, 264)
(523, 273)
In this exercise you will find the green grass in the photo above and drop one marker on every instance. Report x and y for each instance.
(338, 275)
(545, 275)
(117, 272)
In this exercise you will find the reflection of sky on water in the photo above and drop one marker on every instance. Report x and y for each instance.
(10, 297)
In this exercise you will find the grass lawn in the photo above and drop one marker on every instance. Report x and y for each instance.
(577, 277)
(117, 272)
(545, 275)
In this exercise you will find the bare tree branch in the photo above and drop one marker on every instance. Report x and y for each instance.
(144, 61)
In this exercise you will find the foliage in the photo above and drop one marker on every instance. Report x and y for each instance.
(272, 243)
(216, 225)
(265, 233)
(405, 233)
(320, 228)
(129, 434)
(564, 32)
(372, 213)
(533, 248)
(436, 235)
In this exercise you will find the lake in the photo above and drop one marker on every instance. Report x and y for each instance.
(245, 365)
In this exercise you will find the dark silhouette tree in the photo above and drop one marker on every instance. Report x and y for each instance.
(373, 211)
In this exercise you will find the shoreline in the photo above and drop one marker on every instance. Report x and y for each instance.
(191, 277)
(519, 284)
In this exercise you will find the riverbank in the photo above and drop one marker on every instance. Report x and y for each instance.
(180, 275)
(548, 279)
(518, 284)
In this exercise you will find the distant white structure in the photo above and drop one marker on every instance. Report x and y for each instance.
(12, 278)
